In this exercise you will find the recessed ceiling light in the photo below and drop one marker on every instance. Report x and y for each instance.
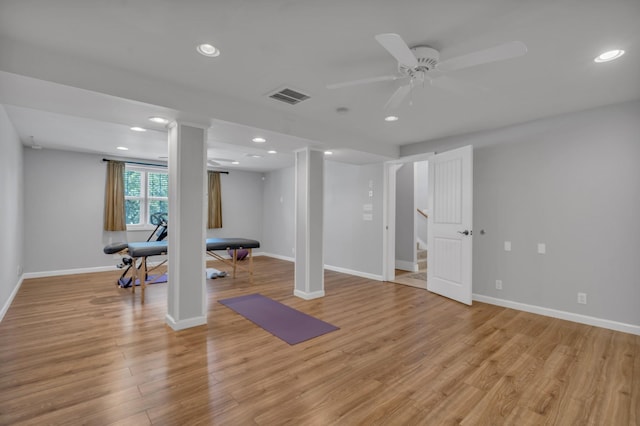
(235, 162)
(328, 153)
(159, 120)
(255, 156)
(208, 50)
(272, 152)
(122, 148)
(138, 129)
(609, 56)
(391, 118)
(259, 140)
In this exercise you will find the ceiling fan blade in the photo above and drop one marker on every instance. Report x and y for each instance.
(362, 81)
(498, 53)
(398, 49)
(398, 96)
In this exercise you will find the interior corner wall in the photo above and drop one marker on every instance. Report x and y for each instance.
(242, 206)
(571, 182)
(11, 211)
(278, 218)
(64, 208)
(405, 212)
(352, 242)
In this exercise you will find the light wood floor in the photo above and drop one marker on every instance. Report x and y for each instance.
(78, 350)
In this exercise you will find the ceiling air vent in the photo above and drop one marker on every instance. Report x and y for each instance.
(289, 96)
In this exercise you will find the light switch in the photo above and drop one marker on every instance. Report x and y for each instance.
(367, 216)
(542, 248)
(507, 246)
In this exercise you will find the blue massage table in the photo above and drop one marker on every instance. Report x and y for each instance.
(142, 250)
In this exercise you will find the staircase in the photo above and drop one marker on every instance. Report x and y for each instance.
(422, 260)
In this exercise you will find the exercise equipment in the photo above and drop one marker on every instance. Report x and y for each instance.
(140, 251)
(161, 222)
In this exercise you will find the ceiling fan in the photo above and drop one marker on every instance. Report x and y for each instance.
(422, 63)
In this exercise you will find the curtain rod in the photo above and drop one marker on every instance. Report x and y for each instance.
(154, 165)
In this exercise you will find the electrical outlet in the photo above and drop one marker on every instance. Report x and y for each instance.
(498, 284)
(582, 298)
(507, 246)
(542, 248)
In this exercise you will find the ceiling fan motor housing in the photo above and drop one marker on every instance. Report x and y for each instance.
(427, 58)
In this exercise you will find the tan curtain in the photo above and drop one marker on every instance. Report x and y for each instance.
(214, 216)
(114, 217)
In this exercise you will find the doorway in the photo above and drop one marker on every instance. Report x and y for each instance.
(450, 199)
(406, 227)
(411, 224)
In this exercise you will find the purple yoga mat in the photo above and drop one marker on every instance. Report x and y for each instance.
(284, 322)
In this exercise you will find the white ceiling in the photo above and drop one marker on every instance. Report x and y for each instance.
(77, 74)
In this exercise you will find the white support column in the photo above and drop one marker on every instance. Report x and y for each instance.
(186, 292)
(309, 256)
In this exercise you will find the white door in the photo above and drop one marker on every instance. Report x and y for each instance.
(450, 237)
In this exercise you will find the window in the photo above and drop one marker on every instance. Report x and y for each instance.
(146, 191)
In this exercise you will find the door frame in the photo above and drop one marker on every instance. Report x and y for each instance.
(389, 212)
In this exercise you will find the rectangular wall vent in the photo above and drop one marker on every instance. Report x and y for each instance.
(289, 96)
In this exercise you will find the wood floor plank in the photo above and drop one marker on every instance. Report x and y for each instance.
(79, 350)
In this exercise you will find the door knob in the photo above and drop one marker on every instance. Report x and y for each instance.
(465, 232)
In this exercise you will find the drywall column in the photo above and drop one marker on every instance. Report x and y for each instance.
(186, 294)
(309, 265)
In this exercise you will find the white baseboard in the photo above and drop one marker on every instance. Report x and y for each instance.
(42, 274)
(403, 265)
(308, 296)
(332, 268)
(186, 323)
(569, 316)
(12, 296)
(352, 272)
(278, 256)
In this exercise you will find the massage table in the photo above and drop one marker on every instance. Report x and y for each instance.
(143, 250)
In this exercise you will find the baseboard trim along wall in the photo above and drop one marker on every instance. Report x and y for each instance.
(184, 324)
(308, 296)
(43, 274)
(278, 256)
(352, 272)
(569, 316)
(333, 268)
(12, 296)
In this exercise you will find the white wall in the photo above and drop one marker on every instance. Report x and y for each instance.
(64, 207)
(11, 212)
(572, 182)
(278, 216)
(352, 244)
(242, 206)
